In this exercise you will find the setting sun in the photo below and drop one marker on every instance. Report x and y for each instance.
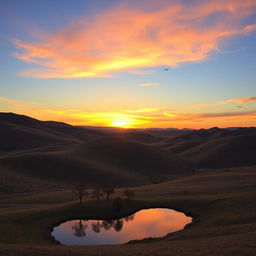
(112, 107)
(122, 123)
(124, 120)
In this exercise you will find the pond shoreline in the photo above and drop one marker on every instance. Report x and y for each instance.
(195, 219)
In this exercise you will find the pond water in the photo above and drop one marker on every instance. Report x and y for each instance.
(155, 222)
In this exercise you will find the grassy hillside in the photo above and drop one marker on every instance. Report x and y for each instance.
(132, 156)
(58, 152)
(223, 201)
(215, 148)
(110, 160)
(18, 132)
(12, 182)
(121, 150)
(224, 152)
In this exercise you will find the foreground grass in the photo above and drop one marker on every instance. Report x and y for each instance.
(224, 201)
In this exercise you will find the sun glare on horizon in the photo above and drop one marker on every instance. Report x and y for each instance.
(122, 122)
(131, 64)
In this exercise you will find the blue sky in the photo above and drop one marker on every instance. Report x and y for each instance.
(213, 77)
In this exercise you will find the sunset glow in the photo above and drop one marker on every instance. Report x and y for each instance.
(78, 51)
(132, 65)
(143, 224)
(109, 107)
(122, 123)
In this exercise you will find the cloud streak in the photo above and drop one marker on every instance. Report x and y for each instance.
(124, 38)
(224, 102)
(240, 100)
(148, 85)
(179, 117)
(139, 118)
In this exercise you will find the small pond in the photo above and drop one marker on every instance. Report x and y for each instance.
(155, 222)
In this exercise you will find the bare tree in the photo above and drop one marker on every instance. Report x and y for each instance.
(97, 193)
(96, 226)
(79, 229)
(129, 194)
(80, 192)
(118, 225)
(107, 224)
(108, 189)
(130, 218)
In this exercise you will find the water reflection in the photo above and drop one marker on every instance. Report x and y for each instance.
(80, 226)
(143, 224)
(79, 229)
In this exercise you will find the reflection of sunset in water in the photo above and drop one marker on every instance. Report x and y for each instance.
(143, 224)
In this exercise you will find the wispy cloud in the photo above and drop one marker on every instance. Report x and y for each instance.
(138, 118)
(125, 38)
(143, 110)
(219, 103)
(239, 100)
(13, 105)
(148, 85)
(141, 72)
(179, 117)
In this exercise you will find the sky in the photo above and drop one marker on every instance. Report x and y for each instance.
(130, 64)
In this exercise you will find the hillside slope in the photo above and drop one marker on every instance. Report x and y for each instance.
(213, 148)
(18, 132)
(111, 160)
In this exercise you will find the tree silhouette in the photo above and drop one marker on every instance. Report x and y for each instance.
(97, 193)
(79, 229)
(80, 192)
(96, 227)
(130, 218)
(107, 224)
(129, 194)
(108, 190)
(118, 225)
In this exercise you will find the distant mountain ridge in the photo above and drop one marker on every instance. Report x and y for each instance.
(61, 152)
(57, 151)
(216, 147)
(19, 132)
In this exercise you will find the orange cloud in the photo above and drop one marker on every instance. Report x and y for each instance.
(138, 118)
(179, 117)
(148, 85)
(125, 38)
(235, 100)
(143, 110)
(243, 100)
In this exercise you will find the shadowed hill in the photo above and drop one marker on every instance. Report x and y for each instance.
(142, 137)
(60, 167)
(224, 152)
(211, 148)
(15, 182)
(132, 156)
(112, 160)
(64, 153)
(18, 132)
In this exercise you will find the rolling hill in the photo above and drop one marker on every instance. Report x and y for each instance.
(58, 152)
(61, 153)
(215, 147)
(19, 132)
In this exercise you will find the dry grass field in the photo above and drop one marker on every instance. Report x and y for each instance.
(222, 202)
